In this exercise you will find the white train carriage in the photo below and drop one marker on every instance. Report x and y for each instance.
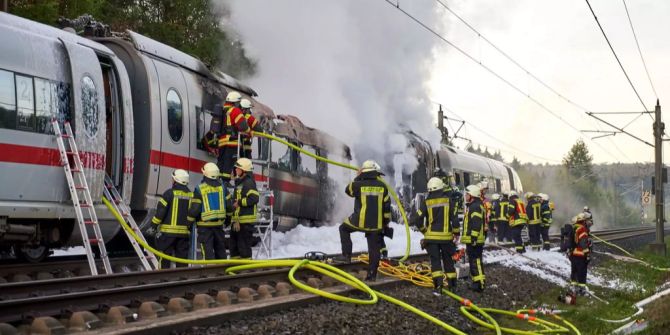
(139, 109)
(46, 73)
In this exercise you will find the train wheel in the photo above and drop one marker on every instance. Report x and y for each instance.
(33, 254)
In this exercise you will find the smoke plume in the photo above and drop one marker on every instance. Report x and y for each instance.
(355, 68)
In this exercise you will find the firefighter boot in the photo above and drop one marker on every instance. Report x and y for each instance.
(452, 284)
(437, 284)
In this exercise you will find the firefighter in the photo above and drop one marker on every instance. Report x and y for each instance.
(172, 216)
(534, 212)
(516, 211)
(473, 235)
(580, 253)
(546, 220)
(224, 131)
(244, 215)
(372, 211)
(455, 195)
(208, 210)
(495, 218)
(253, 123)
(502, 230)
(432, 217)
(587, 210)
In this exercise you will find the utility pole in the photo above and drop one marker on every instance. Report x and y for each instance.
(440, 125)
(659, 128)
(5, 6)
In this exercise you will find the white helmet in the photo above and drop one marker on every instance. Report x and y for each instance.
(473, 190)
(371, 165)
(544, 196)
(528, 195)
(246, 104)
(513, 193)
(586, 208)
(244, 164)
(210, 170)
(483, 184)
(495, 196)
(233, 96)
(579, 217)
(435, 184)
(180, 176)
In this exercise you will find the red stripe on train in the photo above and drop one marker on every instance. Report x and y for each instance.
(23, 154)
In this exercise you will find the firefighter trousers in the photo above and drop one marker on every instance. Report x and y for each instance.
(226, 161)
(440, 253)
(546, 245)
(212, 242)
(516, 236)
(476, 264)
(373, 238)
(173, 245)
(241, 241)
(534, 232)
(578, 269)
(502, 231)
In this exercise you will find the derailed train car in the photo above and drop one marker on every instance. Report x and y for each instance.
(138, 109)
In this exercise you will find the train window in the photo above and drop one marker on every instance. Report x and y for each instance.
(25, 96)
(44, 107)
(308, 164)
(175, 115)
(89, 105)
(281, 156)
(7, 100)
(203, 118)
(466, 179)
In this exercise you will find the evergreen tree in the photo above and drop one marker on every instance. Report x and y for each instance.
(579, 162)
(192, 26)
(516, 164)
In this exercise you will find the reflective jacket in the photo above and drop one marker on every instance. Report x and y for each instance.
(499, 210)
(582, 241)
(172, 211)
(434, 215)
(534, 211)
(473, 222)
(372, 204)
(209, 204)
(247, 196)
(456, 199)
(546, 214)
(229, 125)
(516, 211)
(253, 125)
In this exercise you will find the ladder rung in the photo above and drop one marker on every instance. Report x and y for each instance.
(94, 241)
(69, 152)
(89, 222)
(84, 205)
(75, 170)
(65, 136)
(79, 187)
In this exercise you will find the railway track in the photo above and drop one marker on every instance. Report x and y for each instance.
(132, 301)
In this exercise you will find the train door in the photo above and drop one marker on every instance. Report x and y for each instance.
(88, 119)
(114, 120)
(511, 178)
(175, 130)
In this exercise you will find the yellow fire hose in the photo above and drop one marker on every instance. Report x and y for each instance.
(412, 273)
(632, 257)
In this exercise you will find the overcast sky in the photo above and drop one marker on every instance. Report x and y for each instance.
(556, 40)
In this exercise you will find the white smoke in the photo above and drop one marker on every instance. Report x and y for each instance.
(356, 69)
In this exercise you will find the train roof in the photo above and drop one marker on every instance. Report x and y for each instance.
(170, 54)
(291, 127)
(451, 157)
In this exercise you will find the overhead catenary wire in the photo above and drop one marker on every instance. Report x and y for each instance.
(490, 70)
(639, 50)
(530, 74)
(617, 57)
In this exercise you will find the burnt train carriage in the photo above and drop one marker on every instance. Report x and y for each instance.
(138, 109)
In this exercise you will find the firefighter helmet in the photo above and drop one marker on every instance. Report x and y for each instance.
(473, 190)
(246, 104)
(244, 164)
(528, 195)
(233, 96)
(586, 208)
(371, 165)
(544, 196)
(180, 176)
(495, 196)
(435, 184)
(513, 193)
(210, 170)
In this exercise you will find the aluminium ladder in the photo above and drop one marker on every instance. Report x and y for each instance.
(265, 206)
(84, 210)
(149, 261)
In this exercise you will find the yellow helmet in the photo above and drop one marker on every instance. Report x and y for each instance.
(435, 184)
(210, 170)
(246, 104)
(244, 164)
(180, 176)
(371, 165)
(233, 96)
